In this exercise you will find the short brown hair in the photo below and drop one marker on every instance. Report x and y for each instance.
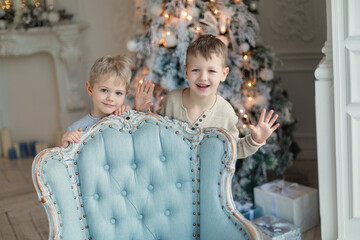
(207, 45)
(119, 65)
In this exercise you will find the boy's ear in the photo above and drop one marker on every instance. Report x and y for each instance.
(225, 73)
(185, 68)
(89, 88)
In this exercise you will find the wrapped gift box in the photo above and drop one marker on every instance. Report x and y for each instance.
(253, 213)
(277, 229)
(295, 203)
(248, 210)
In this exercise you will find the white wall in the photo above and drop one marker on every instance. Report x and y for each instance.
(296, 31)
(29, 103)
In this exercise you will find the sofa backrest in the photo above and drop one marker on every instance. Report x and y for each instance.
(142, 176)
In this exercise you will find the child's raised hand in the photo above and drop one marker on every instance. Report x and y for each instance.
(120, 111)
(143, 95)
(71, 137)
(265, 126)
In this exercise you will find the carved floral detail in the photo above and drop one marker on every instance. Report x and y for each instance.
(293, 19)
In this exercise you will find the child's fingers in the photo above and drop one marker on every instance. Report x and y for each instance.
(251, 127)
(268, 117)
(272, 121)
(140, 87)
(123, 109)
(76, 137)
(151, 90)
(262, 115)
(147, 86)
(273, 128)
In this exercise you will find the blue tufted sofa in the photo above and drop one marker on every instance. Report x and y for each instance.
(142, 176)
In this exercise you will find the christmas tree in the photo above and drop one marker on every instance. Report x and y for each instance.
(168, 26)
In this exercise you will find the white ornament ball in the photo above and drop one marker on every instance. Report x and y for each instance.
(131, 45)
(224, 39)
(253, 5)
(53, 17)
(170, 40)
(244, 47)
(194, 12)
(261, 100)
(156, 9)
(266, 74)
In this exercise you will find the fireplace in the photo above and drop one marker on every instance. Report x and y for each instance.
(61, 43)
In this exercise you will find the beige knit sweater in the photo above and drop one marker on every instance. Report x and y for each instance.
(221, 115)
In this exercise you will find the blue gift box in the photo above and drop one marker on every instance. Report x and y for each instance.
(247, 209)
(274, 228)
(253, 213)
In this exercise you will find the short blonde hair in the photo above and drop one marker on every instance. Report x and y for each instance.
(206, 45)
(119, 65)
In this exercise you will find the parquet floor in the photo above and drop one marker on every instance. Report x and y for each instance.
(21, 214)
(22, 217)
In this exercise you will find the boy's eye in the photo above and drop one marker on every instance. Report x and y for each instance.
(195, 70)
(119, 93)
(212, 71)
(104, 90)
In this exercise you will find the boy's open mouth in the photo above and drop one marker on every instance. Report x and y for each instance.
(203, 86)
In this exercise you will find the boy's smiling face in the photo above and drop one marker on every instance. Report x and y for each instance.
(108, 94)
(204, 76)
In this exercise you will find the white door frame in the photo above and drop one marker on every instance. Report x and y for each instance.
(337, 102)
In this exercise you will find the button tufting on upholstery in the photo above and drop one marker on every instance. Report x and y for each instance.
(178, 185)
(167, 213)
(150, 187)
(140, 217)
(106, 167)
(124, 193)
(162, 158)
(133, 166)
(96, 196)
(113, 220)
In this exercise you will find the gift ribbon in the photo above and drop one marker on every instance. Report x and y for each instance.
(274, 227)
(278, 187)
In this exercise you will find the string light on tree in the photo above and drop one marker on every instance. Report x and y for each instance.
(197, 29)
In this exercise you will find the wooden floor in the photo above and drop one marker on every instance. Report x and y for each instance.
(21, 214)
(23, 217)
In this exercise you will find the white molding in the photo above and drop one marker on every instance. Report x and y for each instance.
(298, 61)
(61, 42)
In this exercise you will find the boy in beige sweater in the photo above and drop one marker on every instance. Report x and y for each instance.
(200, 105)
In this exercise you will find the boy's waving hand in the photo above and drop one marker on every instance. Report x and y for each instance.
(265, 126)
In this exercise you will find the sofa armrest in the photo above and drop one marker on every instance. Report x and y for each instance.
(219, 218)
(52, 180)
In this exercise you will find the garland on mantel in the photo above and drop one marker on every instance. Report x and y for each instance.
(24, 14)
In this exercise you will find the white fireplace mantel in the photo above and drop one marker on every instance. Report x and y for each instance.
(61, 42)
